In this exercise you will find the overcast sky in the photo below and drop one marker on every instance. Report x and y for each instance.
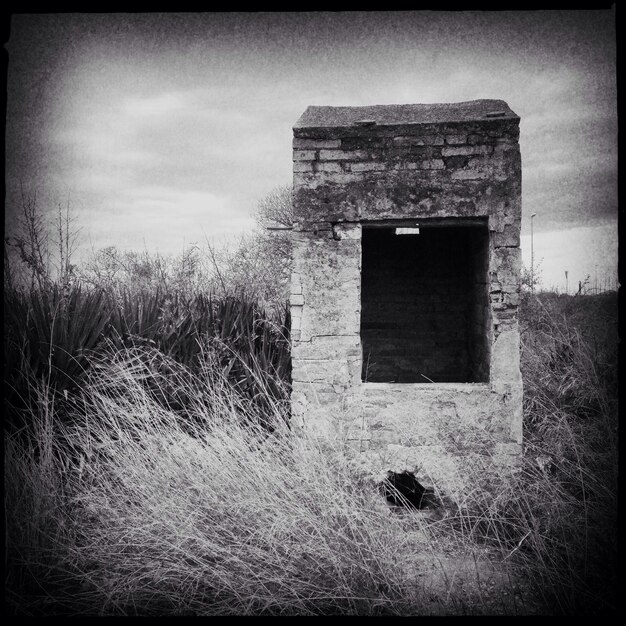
(166, 128)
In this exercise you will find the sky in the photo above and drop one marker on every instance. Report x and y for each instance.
(164, 130)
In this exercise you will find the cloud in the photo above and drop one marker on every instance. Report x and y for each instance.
(165, 218)
(162, 123)
(185, 143)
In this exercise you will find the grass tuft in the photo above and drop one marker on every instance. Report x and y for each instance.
(209, 514)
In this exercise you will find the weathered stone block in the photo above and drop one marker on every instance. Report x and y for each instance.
(343, 155)
(433, 140)
(315, 144)
(323, 270)
(320, 371)
(432, 164)
(332, 347)
(506, 264)
(505, 364)
(329, 167)
(304, 155)
(469, 174)
(367, 167)
(474, 139)
(421, 140)
(509, 237)
(456, 139)
(466, 150)
(302, 167)
(296, 284)
(343, 178)
(364, 142)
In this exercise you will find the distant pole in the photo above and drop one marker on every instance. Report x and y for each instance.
(566, 284)
(532, 256)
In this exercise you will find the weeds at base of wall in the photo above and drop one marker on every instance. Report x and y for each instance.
(565, 547)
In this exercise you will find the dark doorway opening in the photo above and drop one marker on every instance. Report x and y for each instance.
(425, 312)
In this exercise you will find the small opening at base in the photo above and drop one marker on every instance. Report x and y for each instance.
(404, 490)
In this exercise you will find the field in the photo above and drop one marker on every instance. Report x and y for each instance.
(150, 470)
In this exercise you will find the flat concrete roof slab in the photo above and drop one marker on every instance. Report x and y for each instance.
(404, 114)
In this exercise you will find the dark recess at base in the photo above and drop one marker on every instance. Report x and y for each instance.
(403, 489)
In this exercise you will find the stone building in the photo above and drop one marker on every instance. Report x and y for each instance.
(406, 286)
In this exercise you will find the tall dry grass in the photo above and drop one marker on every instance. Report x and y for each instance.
(156, 511)
(166, 493)
(37, 522)
(570, 370)
(556, 519)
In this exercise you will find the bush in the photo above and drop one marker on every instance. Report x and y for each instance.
(48, 335)
(51, 333)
